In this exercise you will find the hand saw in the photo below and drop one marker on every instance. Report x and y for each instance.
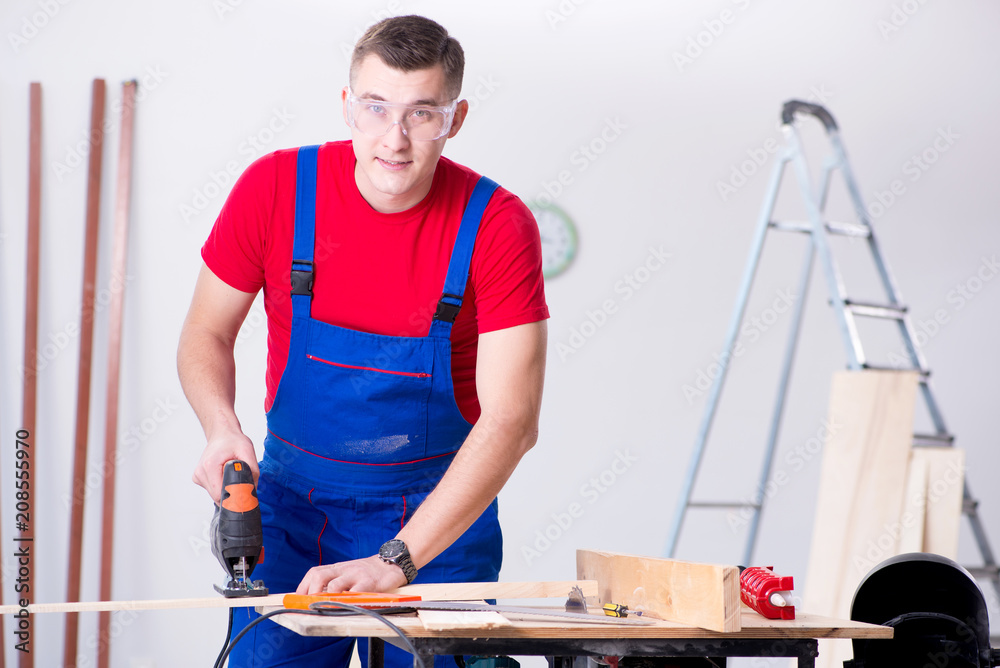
(303, 602)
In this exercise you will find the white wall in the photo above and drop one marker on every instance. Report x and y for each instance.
(548, 77)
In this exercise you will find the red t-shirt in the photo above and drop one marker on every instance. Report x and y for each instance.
(378, 272)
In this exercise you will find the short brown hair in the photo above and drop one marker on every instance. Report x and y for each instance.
(409, 43)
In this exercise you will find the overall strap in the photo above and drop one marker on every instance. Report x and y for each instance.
(461, 256)
(305, 230)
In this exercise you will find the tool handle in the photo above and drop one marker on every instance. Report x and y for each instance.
(616, 610)
(238, 516)
(238, 492)
(790, 108)
(303, 601)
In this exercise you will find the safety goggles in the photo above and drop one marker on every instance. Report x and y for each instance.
(376, 117)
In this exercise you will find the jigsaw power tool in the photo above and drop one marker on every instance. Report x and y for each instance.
(237, 536)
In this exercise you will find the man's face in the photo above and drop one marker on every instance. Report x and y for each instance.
(395, 172)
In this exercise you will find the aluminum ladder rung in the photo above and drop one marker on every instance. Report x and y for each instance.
(984, 572)
(722, 504)
(833, 227)
(924, 373)
(849, 229)
(873, 310)
(932, 440)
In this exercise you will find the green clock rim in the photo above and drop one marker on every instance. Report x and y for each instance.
(571, 226)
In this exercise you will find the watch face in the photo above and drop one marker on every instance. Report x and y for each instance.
(559, 239)
(392, 549)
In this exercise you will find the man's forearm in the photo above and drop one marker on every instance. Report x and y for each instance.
(509, 377)
(479, 471)
(207, 372)
(205, 362)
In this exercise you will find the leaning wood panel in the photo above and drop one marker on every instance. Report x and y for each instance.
(702, 595)
(862, 482)
(945, 486)
(911, 537)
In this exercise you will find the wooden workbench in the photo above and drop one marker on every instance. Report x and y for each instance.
(758, 637)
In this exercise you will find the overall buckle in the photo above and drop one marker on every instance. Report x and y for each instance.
(446, 311)
(302, 279)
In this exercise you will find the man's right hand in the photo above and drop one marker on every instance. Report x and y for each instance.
(217, 452)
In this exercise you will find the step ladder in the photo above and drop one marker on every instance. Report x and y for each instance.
(847, 311)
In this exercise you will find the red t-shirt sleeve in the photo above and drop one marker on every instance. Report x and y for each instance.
(235, 248)
(506, 267)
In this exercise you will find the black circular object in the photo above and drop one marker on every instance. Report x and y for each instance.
(935, 607)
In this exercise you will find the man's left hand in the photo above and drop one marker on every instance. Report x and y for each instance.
(368, 574)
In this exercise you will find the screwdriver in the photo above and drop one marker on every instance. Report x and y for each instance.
(619, 610)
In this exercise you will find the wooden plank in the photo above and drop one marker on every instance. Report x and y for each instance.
(449, 620)
(78, 491)
(473, 591)
(118, 268)
(702, 595)
(752, 626)
(911, 537)
(157, 604)
(455, 591)
(861, 488)
(945, 487)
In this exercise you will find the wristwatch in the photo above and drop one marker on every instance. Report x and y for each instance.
(394, 552)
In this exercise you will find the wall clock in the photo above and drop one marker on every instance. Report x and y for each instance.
(559, 238)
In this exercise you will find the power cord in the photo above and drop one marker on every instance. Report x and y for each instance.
(321, 609)
(225, 644)
(336, 608)
(221, 661)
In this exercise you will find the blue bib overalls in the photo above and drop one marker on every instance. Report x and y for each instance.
(361, 429)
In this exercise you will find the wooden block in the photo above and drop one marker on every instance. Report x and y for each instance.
(703, 595)
(911, 538)
(943, 495)
(862, 484)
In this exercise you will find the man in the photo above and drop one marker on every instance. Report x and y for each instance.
(406, 343)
